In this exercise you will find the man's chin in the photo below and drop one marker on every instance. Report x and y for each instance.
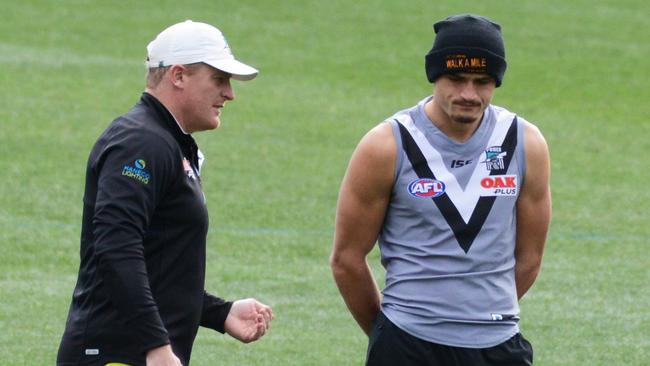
(464, 119)
(216, 123)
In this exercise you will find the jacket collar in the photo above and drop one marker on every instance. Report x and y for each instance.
(167, 120)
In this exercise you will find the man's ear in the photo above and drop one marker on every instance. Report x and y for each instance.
(176, 75)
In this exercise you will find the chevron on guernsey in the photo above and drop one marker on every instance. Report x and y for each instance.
(426, 188)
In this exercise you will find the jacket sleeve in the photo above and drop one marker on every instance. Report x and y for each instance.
(132, 172)
(215, 312)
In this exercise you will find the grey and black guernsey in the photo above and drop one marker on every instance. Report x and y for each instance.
(448, 238)
(143, 245)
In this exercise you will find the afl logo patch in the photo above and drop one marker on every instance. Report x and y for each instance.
(426, 188)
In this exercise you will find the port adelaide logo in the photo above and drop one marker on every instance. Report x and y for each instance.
(494, 158)
(426, 188)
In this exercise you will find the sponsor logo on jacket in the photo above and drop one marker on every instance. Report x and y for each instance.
(137, 171)
(187, 167)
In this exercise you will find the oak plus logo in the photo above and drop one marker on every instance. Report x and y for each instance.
(499, 185)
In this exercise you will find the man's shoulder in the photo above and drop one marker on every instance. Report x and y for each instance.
(137, 132)
(410, 112)
(140, 125)
(145, 119)
(500, 110)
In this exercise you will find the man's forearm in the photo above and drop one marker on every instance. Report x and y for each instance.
(525, 275)
(359, 291)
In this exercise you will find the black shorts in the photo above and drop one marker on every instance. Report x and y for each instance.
(391, 346)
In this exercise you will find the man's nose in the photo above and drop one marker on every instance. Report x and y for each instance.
(468, 91)
(228, 92)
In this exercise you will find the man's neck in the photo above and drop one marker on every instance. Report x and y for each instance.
(169, 105)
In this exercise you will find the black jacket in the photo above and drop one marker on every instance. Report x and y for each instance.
(143, 237)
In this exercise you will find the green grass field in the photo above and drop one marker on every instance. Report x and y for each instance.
(330, 70)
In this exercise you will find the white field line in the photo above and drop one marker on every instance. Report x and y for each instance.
(12, 54)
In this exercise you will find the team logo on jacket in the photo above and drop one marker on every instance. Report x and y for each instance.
(494, 158)
(136, 171)
(426, 188)
(499, 185)
(187, 167)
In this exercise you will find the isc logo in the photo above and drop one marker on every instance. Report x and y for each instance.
(425, 187)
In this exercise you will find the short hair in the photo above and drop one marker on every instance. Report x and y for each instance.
(156, 74)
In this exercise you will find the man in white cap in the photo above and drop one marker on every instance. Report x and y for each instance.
(140, 297)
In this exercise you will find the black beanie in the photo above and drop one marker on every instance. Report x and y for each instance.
(466, 43)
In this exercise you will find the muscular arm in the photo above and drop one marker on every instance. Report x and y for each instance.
(363, 199)
(533, 210)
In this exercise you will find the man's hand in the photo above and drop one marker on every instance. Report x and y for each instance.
(162, 356)
(248, 320)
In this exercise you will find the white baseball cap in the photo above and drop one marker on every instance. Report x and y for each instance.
(192, 42)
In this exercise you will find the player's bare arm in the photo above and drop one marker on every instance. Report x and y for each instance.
(533, 210)
(363, 199)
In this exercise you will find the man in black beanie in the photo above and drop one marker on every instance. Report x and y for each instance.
(467, 43)
(456, 192)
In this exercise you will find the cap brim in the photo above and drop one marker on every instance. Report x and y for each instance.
(238, 70)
